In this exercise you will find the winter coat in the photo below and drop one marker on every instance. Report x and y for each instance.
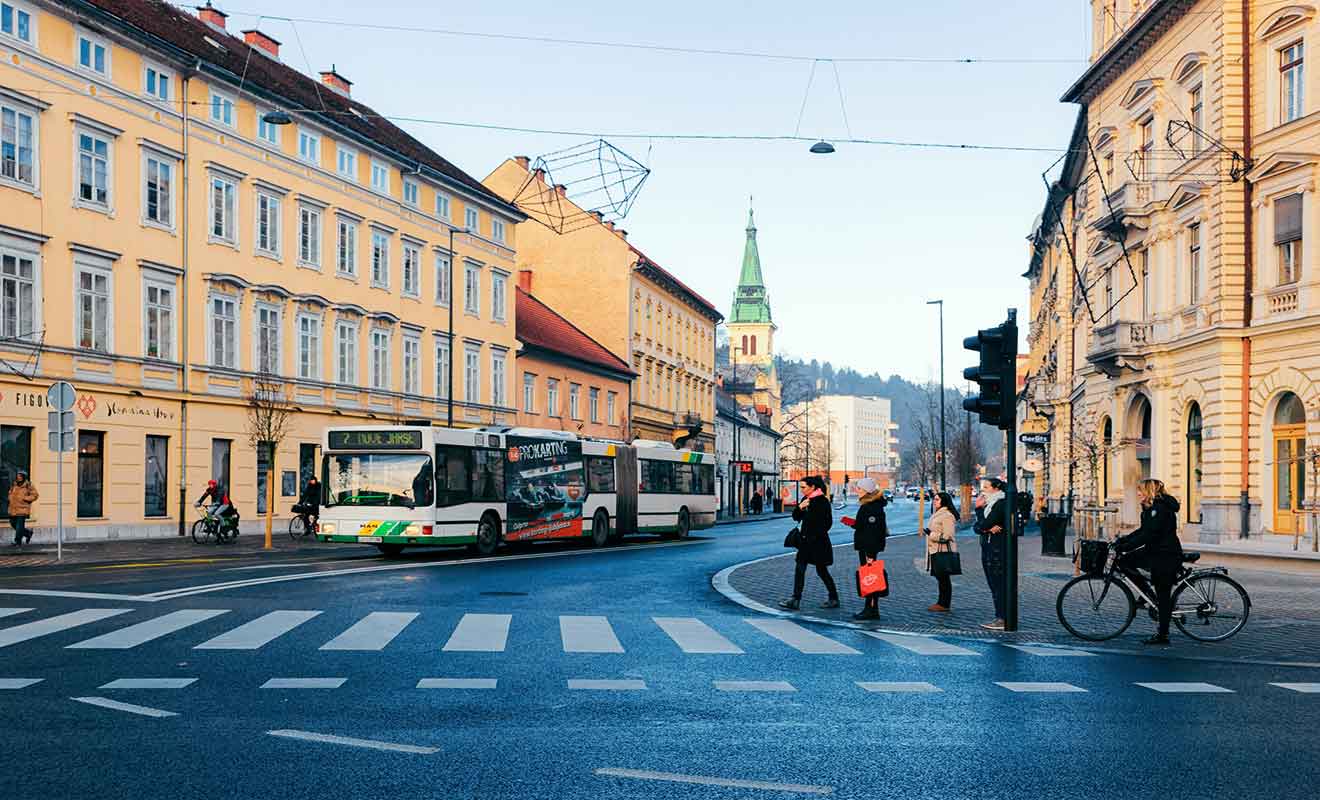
(1155, 544)
(943, 532)
(870, 530)
(995, 514)
(21, 499)
(311, 495)
(814, 521)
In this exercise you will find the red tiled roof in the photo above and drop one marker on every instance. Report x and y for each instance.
(537, 325)
(158, 23)
(643, 260)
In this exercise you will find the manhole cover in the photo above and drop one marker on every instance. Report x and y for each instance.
(504, 594)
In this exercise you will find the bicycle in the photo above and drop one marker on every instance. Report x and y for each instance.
(302, 525)
(1208, 605)
(212, 525)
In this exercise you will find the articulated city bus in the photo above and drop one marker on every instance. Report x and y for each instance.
(406, 485)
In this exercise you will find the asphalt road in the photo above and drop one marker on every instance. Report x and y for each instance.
(565, 672)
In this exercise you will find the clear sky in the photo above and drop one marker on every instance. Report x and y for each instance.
(852, 244)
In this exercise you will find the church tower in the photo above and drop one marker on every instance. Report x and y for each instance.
(751, 328)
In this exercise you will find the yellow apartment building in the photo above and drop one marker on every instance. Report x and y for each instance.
(627, 302)
(1175, 283)
(164, 240)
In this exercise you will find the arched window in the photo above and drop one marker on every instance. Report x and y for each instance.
(1289, 434)
(744, 344)
(753, 345)
(1106, 443)
(1194, 462)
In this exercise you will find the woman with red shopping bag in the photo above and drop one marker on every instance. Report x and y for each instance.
(814, 516)
(869, 533)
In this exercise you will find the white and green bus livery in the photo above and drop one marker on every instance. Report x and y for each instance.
(416, 485)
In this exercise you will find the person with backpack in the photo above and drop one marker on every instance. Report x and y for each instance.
(219, 495)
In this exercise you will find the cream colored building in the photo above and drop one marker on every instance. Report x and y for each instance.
(1186, 345)
(162, 243)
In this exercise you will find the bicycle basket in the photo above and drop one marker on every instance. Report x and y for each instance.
(1093, 556)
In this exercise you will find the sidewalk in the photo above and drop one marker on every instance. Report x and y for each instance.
(177, 549)
(752, 518)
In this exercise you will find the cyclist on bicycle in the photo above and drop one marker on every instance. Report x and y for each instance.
(217, 494)
(1154, 547)
(309, 503)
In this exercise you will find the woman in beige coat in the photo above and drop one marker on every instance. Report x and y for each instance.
(21, 497)
(941, 536)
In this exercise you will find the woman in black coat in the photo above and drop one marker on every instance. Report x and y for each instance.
(870, 530)
(1155, 547)
(814, 516)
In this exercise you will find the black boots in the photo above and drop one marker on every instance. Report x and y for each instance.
(870, 612)
(833, 602)
(792, 604)
(1159, 638)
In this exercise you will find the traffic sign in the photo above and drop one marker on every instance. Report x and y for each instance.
(61, 396)
(59, 423)
(54, 444)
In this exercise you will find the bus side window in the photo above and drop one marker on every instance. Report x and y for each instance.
(488, 475)
(657, 477)
(600, 475)
(452, 471)
(683, 479)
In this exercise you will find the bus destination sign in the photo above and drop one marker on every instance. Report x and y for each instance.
(375, 440)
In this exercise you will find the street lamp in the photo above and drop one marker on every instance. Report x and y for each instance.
(822, 148)
(277, 117)
(944, 455)
(449, 390)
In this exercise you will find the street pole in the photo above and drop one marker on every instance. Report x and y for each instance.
(1010, 497)
(944, 453)
(453, 265)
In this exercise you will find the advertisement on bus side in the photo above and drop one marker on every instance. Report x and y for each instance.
(545, 486)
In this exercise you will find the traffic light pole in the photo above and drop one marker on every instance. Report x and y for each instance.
(1010, 468)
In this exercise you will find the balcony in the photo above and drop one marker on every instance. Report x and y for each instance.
(1132, 199)
(1046, 393)
(1282, 300)
(1119, 346)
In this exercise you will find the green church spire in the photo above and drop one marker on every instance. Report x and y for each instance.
(750, 303)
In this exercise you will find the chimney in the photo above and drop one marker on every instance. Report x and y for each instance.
(212, 16)
(525, 280)
(262, 42)
(337, 82)
(561, 190)
(600, 217)
(540, 175)
(524, 162)
(609, 224)
(622, 233)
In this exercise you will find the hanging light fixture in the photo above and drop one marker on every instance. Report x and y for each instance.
(822, 148)
(277, 117)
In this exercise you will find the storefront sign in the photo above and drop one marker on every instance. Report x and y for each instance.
(114, 408)
(1039, 439)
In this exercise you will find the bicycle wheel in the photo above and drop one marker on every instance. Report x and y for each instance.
(298, 527)
(1095, 609)
(200, 531)
(1211, 607)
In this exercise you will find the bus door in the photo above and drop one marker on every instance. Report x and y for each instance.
(625, 510)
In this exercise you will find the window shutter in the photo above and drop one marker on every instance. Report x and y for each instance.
(1288, 219)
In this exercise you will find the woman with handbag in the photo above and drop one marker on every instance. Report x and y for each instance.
(942, 559)
(814, 516)
(870, 530)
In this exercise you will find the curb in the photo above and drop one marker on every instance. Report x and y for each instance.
(753, 518)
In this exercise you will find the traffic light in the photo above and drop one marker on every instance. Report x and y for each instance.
(996, 376)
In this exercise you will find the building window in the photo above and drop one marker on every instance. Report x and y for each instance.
(309, 236)
(347, 162)
(472, 290)
(472, 220)
(412, 257)
(220, 450)
(498, 360)
(574, 394)
(1288, 236)
(529, 393)
(17, 159)
(593, 404)
(498, 295)
(1194, 263)
(224, 332)
(1146, 149)
(1291, 82)
(497, 230)
(1147, 299)
(346, 353)
(307, 463)
(309, 147)
(472, 373)
(155, 483)
(93, 54)
(222, 109)
(1109, 295)
(159, 192)
(1197, 100)
(442, 206)
(268, 340)
(18, 296)
(266, 132)
(15, 457)
(93, 170)
(309, 347)
(412, 365)
(552, 397)
(91, 473)
(410, 193)
(380, 359)
(380, 177)
(223, 200)
(611, 406)
(380, 259)
(346, 248)
(443, 280)
(93, 304)
(268, 225)
(264, 452)
(16, 22)
(158, 308)
(156, 82)
(442, 369)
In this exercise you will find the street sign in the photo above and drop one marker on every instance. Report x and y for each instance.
(61, 396)
(1035, 438)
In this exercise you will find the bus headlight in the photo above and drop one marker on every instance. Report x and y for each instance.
(328, 528)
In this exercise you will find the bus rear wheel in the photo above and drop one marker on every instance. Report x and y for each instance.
(684, 526)
(488, 535)
(390, 549)
(600, 529)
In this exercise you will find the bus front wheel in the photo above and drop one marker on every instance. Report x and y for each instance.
(488, 535)
(684, 526)
(390, 549)
(600, 529)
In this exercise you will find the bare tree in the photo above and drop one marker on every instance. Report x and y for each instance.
(268, 411)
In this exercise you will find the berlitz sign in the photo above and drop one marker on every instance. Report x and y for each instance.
(1035, 438)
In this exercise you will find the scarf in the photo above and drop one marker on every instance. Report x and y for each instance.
(991, 499)
(812, 495)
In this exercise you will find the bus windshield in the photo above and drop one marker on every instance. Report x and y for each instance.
(379, 479)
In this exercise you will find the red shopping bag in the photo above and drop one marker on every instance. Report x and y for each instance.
(871, 579)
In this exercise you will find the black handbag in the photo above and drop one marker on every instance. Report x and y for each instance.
(793, 539)
(945, 562)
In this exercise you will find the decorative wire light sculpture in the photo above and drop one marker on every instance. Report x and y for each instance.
(590, 183)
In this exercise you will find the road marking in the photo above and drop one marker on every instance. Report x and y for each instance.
(42, 627)
(1040, 688)
(286, 564)
(134, 635)
(1186, 688)
(258, 632)
(457, 683)
(801, 639)
(588, 635)
(372, 632)
(592, 684)
(115, 705)
(9, 612)
(170, 563)
(754, 686)
(18, 683)
(1050, 652)
(898, 686)
(703, 780)
(922, 645)
(74, 595)
(1304, 688)
(304, 683)
(694, 636)
(370, 744)
(149, 683)
(480, 633)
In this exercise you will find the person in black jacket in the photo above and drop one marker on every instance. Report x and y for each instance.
(870, 530)
(992, 525)
(1154, 547)
(814, 516)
